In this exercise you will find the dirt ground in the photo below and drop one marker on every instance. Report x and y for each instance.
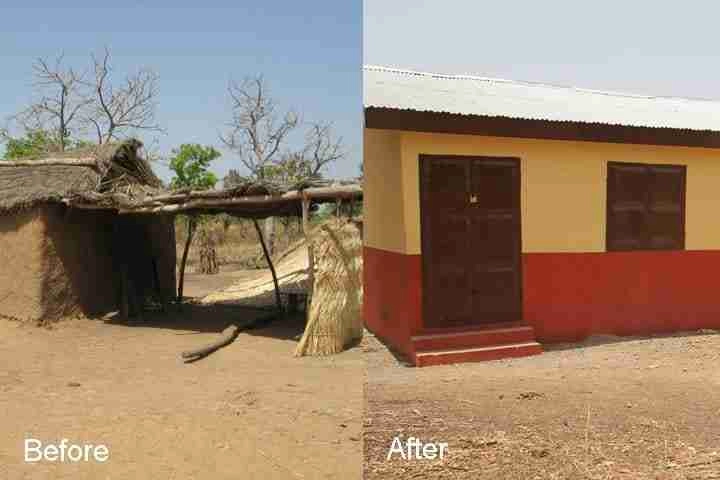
(250, 410)
(610, 408)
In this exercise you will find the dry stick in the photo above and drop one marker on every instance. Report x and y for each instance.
(587, 430)
(278, 300)
(181, 283)
(228, 335)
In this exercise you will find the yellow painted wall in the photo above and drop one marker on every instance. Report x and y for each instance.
(563, 188)
(383, 219)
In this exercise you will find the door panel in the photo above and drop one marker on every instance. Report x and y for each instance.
(445, 227)
(495, 247)
(471, 240)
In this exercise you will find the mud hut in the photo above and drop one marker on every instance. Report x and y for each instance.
(59, 260)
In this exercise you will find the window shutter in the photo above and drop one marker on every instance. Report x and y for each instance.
(645, 207)
(666, 208)
(627, 206)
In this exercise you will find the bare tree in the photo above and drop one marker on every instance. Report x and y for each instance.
(322, 148)
(256, 132)
(60, 101)
(128, 107)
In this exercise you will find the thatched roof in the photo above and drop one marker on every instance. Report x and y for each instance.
(88, 172)
(115, 177)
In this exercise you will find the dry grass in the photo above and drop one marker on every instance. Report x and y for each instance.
(237, 244)
(334, 319)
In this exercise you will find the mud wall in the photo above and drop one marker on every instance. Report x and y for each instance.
(20, 265)
(78, 271)
(57, 262)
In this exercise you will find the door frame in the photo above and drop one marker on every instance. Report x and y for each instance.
(423, 160)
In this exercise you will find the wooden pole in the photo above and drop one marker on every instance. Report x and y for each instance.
(124, 291)
(188, 240)
(158, 289)
(308, 242)
(268, 259)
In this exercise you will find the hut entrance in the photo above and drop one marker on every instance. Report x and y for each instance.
(470, 240)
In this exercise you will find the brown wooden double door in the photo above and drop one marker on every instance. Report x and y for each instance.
(470, 217)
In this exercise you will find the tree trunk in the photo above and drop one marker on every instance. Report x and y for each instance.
(270, 234)
(188, 240)
(278, 299)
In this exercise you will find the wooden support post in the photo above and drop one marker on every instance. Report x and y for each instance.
(268, 259)
(157, 287)
(124, 291)
(309, 243)
(190, 231)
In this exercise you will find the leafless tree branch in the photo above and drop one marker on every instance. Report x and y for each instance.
(118, 110)
(60, 100)
(321, 148)
(255, 132)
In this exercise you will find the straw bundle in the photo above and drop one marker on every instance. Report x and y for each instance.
(210, 235)
(334, 317)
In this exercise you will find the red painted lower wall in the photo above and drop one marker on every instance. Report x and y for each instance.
(391, 296)
(568, 296)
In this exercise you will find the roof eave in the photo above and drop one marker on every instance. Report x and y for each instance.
(497, 126)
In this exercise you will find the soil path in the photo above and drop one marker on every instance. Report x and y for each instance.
(607, 409)
(250, 410)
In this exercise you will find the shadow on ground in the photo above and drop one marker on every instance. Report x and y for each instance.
(193, 318)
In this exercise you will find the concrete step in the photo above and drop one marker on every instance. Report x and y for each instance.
(425, 358)
(486, 337)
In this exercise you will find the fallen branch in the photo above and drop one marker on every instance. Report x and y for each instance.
(227, 337)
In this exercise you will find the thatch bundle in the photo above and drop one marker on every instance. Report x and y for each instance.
(334, 318)
(210, 234)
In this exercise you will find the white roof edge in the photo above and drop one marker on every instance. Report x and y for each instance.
(403, 89)
(446, 76)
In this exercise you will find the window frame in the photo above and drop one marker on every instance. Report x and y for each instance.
(609, 219)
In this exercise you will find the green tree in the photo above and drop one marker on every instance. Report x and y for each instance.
(35, 144)
(190, 163)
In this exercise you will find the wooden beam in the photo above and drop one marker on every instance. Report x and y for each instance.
(268, 259)
(267, 205)
(201, 201)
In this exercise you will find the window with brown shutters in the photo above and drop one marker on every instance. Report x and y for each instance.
(645, 207)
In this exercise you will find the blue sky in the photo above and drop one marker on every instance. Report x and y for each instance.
(308, 52)
(642, 46)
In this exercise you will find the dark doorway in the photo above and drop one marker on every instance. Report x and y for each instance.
(470, 215)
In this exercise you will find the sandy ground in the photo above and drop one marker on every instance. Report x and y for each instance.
(250, 410)
(607, 409)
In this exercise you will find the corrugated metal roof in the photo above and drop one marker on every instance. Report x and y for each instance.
(386, 87)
